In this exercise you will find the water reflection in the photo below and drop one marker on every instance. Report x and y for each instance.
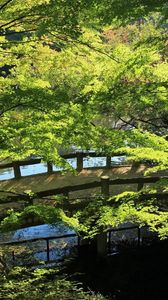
(6, 173)
(91, 162)
(58, 248)
(33, 169)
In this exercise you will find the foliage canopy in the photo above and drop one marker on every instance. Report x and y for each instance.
(87, 73)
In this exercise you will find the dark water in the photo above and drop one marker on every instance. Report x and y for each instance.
(58, 247)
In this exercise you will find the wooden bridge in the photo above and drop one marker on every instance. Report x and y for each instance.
(84, 183)
(61, 181)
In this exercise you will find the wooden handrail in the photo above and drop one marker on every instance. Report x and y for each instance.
(94, 184)
(21, 163)
(34, 161)
(78, 155)
(57, 237)
(89, 185)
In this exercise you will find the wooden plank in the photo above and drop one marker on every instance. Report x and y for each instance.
(70, 188)
(6, 166)
(158, 196)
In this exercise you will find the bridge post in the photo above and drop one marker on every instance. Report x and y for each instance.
(102, 237)
(49, 167)
(79, 156)
(13, 255)
(105, 185)
(102, 244)
(108, 162)
(16, 169)
(140, 186)
(65, 199)
(48, 249)
(139, 237)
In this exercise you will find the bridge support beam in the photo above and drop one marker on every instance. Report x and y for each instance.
(16, 169)
(108, 162)
(79, 156)
(65, 199)
(102, 237)
(102, 244)
(49, 167)
(140, 186)
(105, 185)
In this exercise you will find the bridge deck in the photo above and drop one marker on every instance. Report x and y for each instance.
(47, 182)
(41, 182)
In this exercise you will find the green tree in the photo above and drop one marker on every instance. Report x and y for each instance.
(65, 82)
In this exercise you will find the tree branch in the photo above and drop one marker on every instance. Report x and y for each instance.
(29, 105)
(75, 42)
(9, 109)
(13, 21)
(5, 4)
(151, 123)
(128, 122)
(18, 19)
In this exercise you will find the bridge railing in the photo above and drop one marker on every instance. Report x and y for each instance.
(79, 156)
(47, 250)
(134, 237)
(104, 184)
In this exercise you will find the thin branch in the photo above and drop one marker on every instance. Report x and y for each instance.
(68, 40)
(29, 105)
(92, 124)
(5, 4)
(13, 21)
(150, 123)
(96, 50)
(9, 109)
(18, 19)
(128, 122)
(1, 160)
(34, 107)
